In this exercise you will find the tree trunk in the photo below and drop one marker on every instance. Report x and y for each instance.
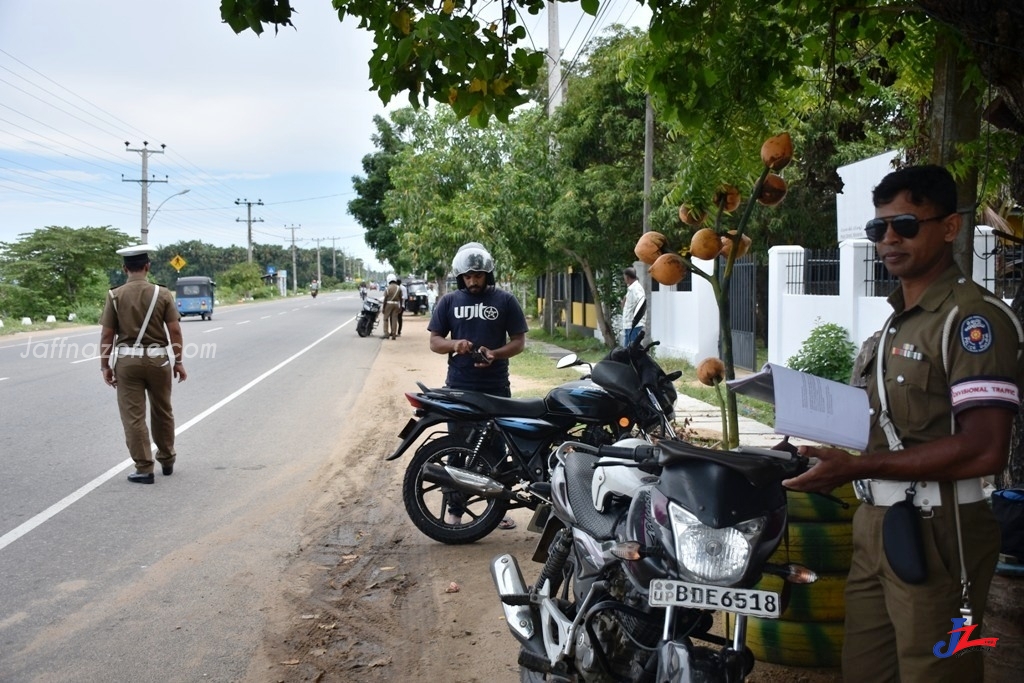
(603, 324)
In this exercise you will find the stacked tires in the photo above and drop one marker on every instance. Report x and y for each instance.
(810, 632)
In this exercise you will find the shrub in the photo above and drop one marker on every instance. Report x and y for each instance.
(827, 352)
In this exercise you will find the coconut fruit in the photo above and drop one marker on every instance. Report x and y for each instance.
(669, 269)
(650, 246)
(711, 371)
(727, 198)
(777, 151)
(691, 216)
(705, 244)
(729, 244)
(773, 190)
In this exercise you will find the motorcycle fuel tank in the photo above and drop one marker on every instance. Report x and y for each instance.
(583, 400)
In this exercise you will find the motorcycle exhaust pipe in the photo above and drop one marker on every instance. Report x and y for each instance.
(508, 579)
(464, 480)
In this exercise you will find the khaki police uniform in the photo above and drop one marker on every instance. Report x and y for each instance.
(392, 310)
(891, 626)
(143, 371)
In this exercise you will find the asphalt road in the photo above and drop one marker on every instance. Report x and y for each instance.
(104, 580)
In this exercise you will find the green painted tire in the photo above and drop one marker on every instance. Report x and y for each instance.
(795, 643)
(822, 600)
(822, 546)
(808, 507)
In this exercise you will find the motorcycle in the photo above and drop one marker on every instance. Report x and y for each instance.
(368, 316)
(645, 542)
(484, 450)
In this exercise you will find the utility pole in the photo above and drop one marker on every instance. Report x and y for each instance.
(295, 274)
(319, 275)
(554, 99)
(334, 260)
(144, 181)
(249, 219)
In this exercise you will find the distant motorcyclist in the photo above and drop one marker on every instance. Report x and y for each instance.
(362, 291)
(314, 287)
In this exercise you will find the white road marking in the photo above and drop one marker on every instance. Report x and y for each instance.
(52, 511)
(212, 330)
(244, 322)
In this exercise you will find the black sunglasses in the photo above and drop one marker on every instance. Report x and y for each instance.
(906, 225)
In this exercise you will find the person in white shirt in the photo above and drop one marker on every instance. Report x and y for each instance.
(631, 304)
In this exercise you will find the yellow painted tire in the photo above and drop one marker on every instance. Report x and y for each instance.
(822, 546)
(808, 507)
(822, 600)
(795, 643)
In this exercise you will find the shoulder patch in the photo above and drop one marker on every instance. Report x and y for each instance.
(975, 334)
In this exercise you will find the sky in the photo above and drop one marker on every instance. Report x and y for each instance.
(284, 119)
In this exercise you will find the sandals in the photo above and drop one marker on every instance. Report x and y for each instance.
(507, 523)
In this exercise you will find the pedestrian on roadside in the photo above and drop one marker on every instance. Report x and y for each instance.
(632, 304)
(405, 302)
(140, 355)
(943, 379)
(431, 297)
(479, 327)
(392, 307)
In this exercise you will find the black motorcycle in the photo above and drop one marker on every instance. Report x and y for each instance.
(645, 542)
(368, 317)
(484, 450)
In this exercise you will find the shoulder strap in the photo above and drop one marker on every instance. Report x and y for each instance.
(149, 314)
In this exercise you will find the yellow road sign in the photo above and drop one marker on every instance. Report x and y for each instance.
(178, 263)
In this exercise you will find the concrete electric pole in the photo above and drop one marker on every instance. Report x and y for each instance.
(295, 273)
(249, 219)
(145, 180)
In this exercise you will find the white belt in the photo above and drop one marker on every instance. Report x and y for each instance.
(927, 494)
(139, 352)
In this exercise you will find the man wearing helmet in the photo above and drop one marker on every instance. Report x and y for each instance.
(486, 326)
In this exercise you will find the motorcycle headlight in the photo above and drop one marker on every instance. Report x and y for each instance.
(717, 556)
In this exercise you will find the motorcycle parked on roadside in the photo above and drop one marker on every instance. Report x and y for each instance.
(368, 316)
(645, 542)
(484, 450)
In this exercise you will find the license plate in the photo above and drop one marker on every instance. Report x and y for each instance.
(670, 593)
(407, 429)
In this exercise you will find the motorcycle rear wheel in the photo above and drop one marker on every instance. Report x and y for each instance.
(427, 503)
(363, 326)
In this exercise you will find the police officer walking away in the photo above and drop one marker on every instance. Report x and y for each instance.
(140, 354)
(943, 380)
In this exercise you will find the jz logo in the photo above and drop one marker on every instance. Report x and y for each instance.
(960, 639)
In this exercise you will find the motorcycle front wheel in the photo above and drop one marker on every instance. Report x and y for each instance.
(428, 503)
(363, 326)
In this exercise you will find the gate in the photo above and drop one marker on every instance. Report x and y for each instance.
(742, 312)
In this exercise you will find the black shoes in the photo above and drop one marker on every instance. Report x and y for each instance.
(140, 478)
(167, 469)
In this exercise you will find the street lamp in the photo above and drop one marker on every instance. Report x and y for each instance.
(145, 231)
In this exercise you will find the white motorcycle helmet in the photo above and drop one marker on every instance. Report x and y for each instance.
(392, 278)
(472, 257)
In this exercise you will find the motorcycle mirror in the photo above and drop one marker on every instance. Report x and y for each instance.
(567, 361)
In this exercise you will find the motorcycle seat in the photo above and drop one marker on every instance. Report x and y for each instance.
(497, 405)
(579, 475)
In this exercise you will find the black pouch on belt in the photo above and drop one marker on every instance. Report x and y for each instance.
(903, 542)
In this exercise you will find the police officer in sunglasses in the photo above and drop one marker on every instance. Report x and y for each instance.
(950, 362)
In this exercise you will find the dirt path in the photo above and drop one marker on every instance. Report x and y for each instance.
(366, 597)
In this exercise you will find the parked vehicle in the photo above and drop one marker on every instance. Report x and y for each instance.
(416, 302)
(643, 544)
(194, 296)
(368, 316)
(484, 450)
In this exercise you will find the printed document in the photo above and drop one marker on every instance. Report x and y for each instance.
(810, 407)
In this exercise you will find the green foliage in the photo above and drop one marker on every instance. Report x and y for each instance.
(18, 302)
(827, 352)
(62, 265)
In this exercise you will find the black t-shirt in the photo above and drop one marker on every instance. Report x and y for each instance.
(487, 319)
